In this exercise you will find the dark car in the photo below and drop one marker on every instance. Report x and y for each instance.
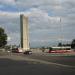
(28, 52)
(15, 50)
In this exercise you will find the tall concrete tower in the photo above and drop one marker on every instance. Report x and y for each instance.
(24, 32)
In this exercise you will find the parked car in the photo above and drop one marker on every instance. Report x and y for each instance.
(28, 52)
(17, 50)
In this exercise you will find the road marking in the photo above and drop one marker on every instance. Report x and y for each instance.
(14, 57)
(46, 62)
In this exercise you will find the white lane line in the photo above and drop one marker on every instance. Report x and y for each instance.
(35, 60)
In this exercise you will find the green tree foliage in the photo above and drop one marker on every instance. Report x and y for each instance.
(60, 44)
(73, 44)
(50, 49)
(43, 49)
(3, 37)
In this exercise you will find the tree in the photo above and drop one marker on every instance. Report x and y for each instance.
(60, 44)
(50, 49)
(73, 44)
(3, 37)
(43, 49)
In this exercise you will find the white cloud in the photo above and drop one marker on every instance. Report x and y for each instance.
(8, 14)
(44, 17)
(8, 38)
(7, 2)
(41, 24)
(38, 20)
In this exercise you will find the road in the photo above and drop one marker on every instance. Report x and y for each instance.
(19, 64)
(65, 59)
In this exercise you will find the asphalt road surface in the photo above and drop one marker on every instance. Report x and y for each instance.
(16, 64)
(55, 58)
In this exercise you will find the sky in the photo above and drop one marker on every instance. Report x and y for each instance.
(50, 21)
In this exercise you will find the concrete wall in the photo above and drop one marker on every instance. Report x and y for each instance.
(24, 33)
